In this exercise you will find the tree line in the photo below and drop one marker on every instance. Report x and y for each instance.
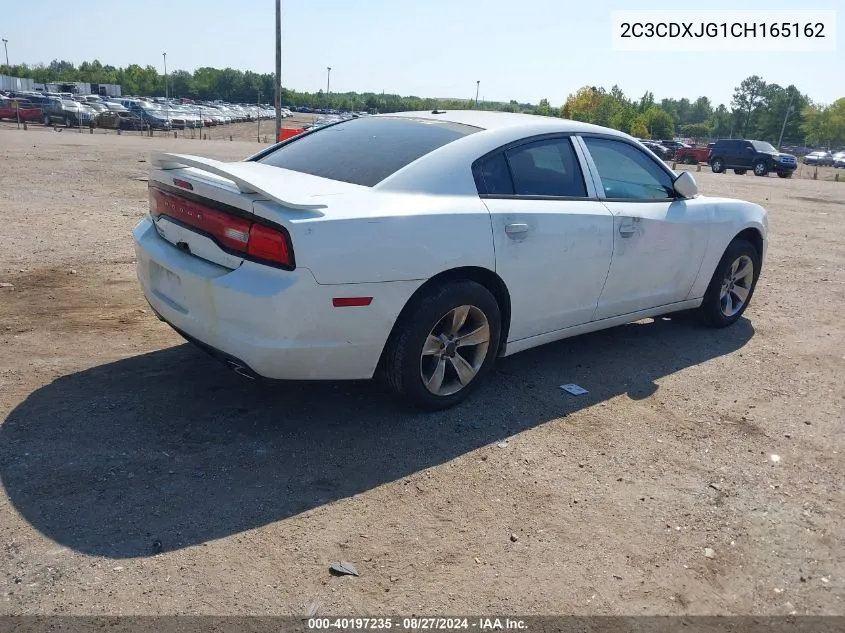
(757, 110)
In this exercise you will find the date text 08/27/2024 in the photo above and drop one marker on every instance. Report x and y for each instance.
(417, 624)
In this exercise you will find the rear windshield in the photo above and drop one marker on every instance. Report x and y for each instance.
(365, 151)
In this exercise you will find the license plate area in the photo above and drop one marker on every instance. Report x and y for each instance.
(167, 286)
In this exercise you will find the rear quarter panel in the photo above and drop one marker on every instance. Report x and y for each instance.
(388, 236)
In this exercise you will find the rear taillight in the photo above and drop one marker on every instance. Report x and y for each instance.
(268, 244)
(232, 233)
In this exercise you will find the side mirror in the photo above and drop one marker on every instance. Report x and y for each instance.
(685, 185)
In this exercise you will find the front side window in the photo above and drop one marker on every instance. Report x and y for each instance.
(764, 147)
(627, 172)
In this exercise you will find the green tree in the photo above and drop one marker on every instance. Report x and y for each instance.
(660, 123)
(639, 127)
(720, 122)
(748, 96)
(700, 111)
(825, 125)
(696, 131)
(646, 101)
(581, 106)
(544, 108)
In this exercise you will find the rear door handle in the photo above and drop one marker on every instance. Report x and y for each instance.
(516, 229)
(627, 230)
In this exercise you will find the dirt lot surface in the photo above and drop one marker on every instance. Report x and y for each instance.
(703, 472)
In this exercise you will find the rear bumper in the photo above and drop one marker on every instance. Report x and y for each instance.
(276, 324)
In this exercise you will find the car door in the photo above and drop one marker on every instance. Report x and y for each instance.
(745, 154)
(659, 239)
(553, 238)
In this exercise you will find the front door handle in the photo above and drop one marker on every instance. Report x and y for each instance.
(627, 230)
(516, 229)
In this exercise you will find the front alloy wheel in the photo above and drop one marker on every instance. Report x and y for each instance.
(736, 286)
(731, 285)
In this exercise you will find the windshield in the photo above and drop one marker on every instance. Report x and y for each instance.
(365, 151)
(763, 146)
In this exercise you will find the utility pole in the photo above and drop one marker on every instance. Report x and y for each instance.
(786, 118)
(477, 87)
(278, 70)
(328, 80)
(166, 100)
(6, 46)
(259, 116)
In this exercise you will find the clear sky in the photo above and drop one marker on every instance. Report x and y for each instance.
(430, 48)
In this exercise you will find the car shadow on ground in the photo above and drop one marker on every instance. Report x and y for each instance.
(171, 446)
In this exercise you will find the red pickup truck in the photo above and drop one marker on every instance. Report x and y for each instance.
(12, 108)
(693, 155)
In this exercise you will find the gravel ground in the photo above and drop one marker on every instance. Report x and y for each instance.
(702, 474)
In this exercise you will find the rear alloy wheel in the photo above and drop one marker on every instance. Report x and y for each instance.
(717, 166)
(732, 284)
(739, 172)
(444, 345)
(760, 168)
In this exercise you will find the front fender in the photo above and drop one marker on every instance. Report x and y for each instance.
(730, 218)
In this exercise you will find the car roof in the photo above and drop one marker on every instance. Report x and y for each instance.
(489, 120)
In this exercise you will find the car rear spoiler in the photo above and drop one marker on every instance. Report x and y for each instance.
(249, 177)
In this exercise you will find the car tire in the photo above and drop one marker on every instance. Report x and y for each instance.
(760, 168)
(723, 302)
(739, 172)
(784, 174)
(717, 165)
(421, 360)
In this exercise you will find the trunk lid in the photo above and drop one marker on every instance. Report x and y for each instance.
(185, 188)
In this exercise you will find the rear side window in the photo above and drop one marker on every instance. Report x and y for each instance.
(367, 150)
(496, 176)
(542, 168)
(546, 168)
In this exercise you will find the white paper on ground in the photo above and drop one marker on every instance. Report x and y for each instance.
(575, 390)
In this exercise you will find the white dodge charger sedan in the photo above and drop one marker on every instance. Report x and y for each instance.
(421, 246)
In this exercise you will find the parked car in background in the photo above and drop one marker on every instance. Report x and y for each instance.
(65, 111)
(819, 158)
(839, 159)
(119, 120)
(150, 114)
(314, 258)
(662, 151)
(759, 156)
(693, 155)
(19, 109)
(672, 146)
(97, 106)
